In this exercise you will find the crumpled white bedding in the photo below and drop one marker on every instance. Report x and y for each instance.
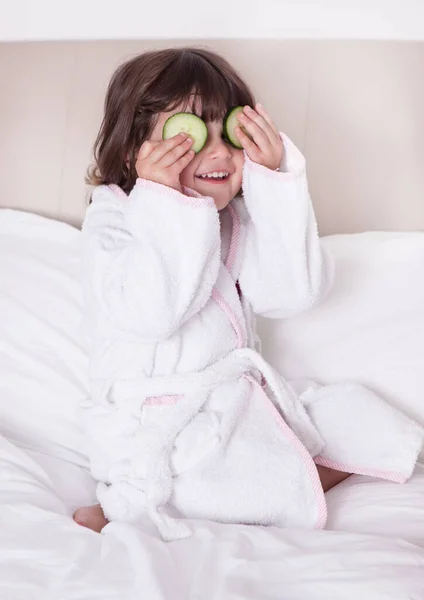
(376, 550)
(374, 545)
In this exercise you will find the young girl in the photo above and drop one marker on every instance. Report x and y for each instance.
(186, 419)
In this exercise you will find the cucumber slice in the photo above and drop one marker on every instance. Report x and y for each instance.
(230, 123)
(187, 123)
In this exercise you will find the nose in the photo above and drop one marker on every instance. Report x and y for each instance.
(217, 148)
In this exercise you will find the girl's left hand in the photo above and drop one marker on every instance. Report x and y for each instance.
(266, 146)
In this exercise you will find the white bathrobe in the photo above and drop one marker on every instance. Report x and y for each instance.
(185, 418)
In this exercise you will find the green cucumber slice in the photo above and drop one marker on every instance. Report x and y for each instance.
(230, 123)
(186, 123)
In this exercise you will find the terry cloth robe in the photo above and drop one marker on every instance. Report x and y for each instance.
(185, 418)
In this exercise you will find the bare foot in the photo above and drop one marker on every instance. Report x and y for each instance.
(91, 517)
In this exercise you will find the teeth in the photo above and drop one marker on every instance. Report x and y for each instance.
(215, 175)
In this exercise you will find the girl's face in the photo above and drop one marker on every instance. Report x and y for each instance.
(217, 156)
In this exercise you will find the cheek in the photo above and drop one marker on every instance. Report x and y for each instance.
(187, 176)
(238, 159)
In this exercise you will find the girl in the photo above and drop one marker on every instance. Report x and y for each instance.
(186, 419)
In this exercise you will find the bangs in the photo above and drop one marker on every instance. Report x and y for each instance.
(206, 84)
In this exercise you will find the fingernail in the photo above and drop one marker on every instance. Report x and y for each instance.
(259, 105)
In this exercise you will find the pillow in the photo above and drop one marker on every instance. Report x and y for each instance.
(43, 362)
(369, 329)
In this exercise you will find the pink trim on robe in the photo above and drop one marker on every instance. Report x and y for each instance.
(235, 238)
(163, 400)
(379, 474)
(310, 465)
(240, 333)
(117, 190)
(194, 199)
(188, 196)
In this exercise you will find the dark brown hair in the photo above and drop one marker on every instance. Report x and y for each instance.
(151, 83)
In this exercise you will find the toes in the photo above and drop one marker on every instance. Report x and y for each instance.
(91, 517)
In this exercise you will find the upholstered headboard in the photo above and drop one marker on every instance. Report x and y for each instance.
(355, 108)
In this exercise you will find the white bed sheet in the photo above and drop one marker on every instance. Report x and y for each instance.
(376, 550)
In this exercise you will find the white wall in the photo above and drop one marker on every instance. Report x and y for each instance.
(161, 19)
(354, 108)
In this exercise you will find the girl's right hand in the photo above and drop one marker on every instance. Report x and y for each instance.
(163, 162)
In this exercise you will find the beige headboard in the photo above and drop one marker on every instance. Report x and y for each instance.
(355, 108)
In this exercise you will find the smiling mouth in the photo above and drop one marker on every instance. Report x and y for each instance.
(215, 177)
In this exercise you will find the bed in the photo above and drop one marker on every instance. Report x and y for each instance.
(369, 329)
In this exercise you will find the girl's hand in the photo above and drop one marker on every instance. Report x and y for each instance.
(163, 162)
(266, 148)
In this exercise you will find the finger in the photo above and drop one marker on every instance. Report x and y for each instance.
(175, 154)
(260, 122)
(260, 109)
(146, 149)
(259, 136)
(248, 144)
(166, 146)
(185, 160)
